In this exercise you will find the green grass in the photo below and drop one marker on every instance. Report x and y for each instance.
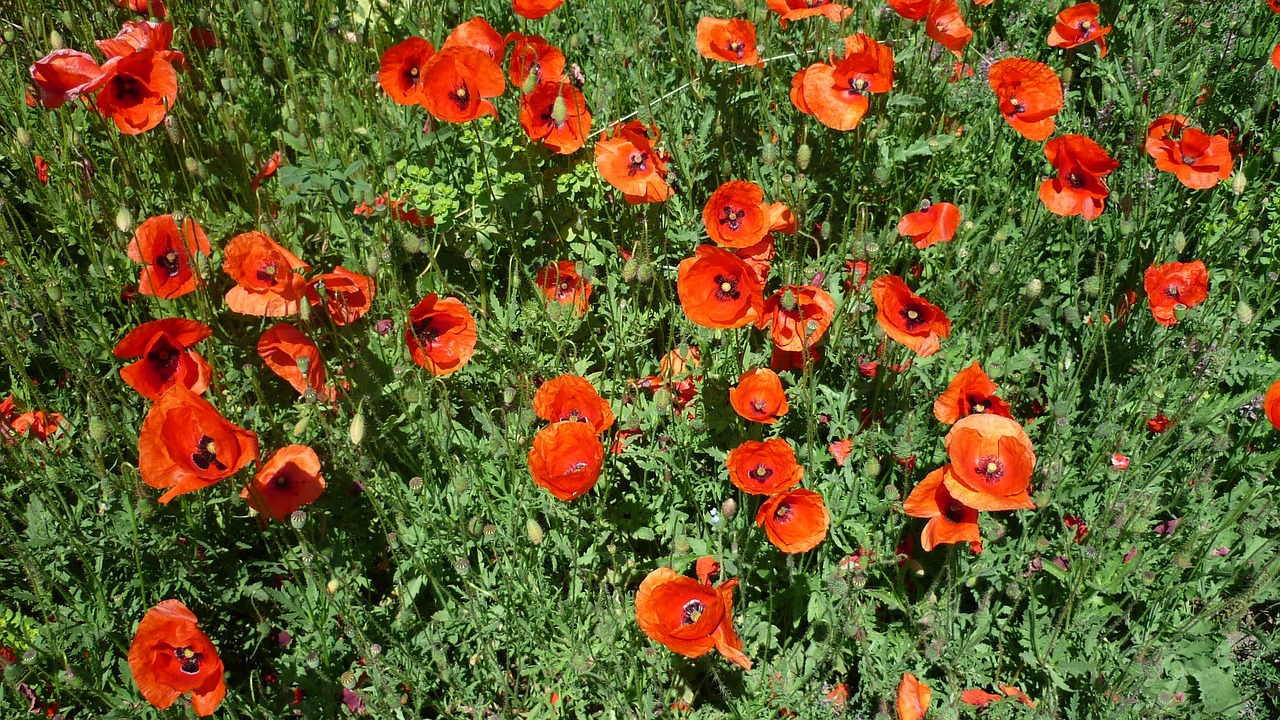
(436, 580)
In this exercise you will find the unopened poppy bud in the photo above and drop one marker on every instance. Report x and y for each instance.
(1127, 227)
(559, 111)
(871, 467)
(645, 273)
(23, 137)
(229, 84)
(97, 429)
(301, 426)
(534, 530)
(803, 155)
(788, 302)
(268, 65)
(1244, 313)
(629, 270)
(1092, 285)
(1071, 314)
(292, 126)
(662, 399)
(289, 32)
(1179, 241)
(55, 40)
(728, 509)
(768, 154)
(1238, 183)
(682, 546)
(304, 313)
(195, 167)
(1034, 288)
(54, 289)
(530, 82)
(333, 585)
(10, 35)
(256, 8)
(371, 264)
(332, 58)
(124, 219)
(173, 131)
(356, 433)
(880, 175)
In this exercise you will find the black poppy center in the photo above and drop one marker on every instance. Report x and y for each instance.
(783, 512)
(913, 316)
(170, 262)
(761, 473)
(426, 333)
(574, 415)
(281, 480)
(758, 405)
(954, 511)
(692, 611)
(978, 404)
(206, 454)
(1075, 179)
(164, 356)
(411, 76)
(990, 468)
(1173, 291)
(737, 47)
(858, 85)
(637, 163)
(127, 90)
(732, 217)
(267, 272)
(190, 659)
(460, 96)
(727, 288)
(1018, 106)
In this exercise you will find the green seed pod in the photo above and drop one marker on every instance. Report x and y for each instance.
(534, 530)
(10, 35)
(803, 155)
(55, 292)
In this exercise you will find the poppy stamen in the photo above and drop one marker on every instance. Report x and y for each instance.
(762, 472)
(727, 288)
(460, 96)
(425, 332)
(637, 163)
(732, 217)
(207, 454)
(1075, 179)
(783, 513)
(190, 659)
(954, 511)
(692, 611)
(267, 273)
(169, 262)
(281, 480)
(126, 89)
(1173, 291)
(913, 317)
(1017, 106)
(991, 468)
(737, 47)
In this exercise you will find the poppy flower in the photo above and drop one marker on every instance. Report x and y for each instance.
(166, 252)
(950, 521)
(457, 81)
(37, 424)
(400, 72)
(981, 698)
(936, 223)
(170, 656)
(566, 459)
(268, 169)
(946, 25)
(732, 41)
(1078, 189)
(1199, 160)
(346, 295)
(838, 94)
(1175, 284)
(289, 479)
(532, 56)
(155, 7)
(167, 358)
(797, 317)
(42, 169)
(759, 257)
(971, 392)
(718, 289)
(441, 334)
(1029, 93)
(841, 449)
(185, 445)
(534, 9)
(758, 396)
(294, 357)
(1158, 424)
(689, 617)
(572, 398)
(142, 35)
(556, 115)
(628, 161)
(479, 34)
(736, 215)
(991, 463)
(678, 374)
(795, 521)
(1275, 57)
(1078, 25)
(64, 75)
(1271, 404)
(764, 468)
(907, 317)
(800, 9)
(561, 283)
(266, 284)
(913, 698)
(911, 9)
(136, 90)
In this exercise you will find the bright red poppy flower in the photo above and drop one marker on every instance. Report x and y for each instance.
(167, 358)
(556, 115)
(936, 223)
(289, 479)
(64, 75)
(718, 289)
(441, 334)
(950, 521)
(532, 56)
(166, 252)
(795, 521)
(759, 257)
(991, 463)
(800, 9)
(911, 9)
(758, 396)
(561, 283)
(971, 392)
(1175, 284)
(731, 41)
(346, 295)
(838, 94)
(266, 284)
(946, 25)
(907, 317)
(142, 35)
(1275, 57)
(294, 357)
(479, 34)
(1271, 404)
(1199, 160)
(797, 317)
(1078, 25)
(981, 698)
(268, 169)
(689, 617)
(400, 72)
(572, 398)
(534, 9)
(736, 215)
(155, 7)
(36, 424)
(185, 445)
(628, 161)
(1029, 93)
(566, 459)
(1079, 188)
(457, 82)
(764, 468)
(170, 656)
(136, 90)
(913, 698)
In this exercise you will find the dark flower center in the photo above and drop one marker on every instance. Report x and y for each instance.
(1189, 159)
(574, 415)
(1075, 179)
(758, 405)
(169, 262)
(410, 76)
(912, 316)
(858, 85)
(190, 659)
(1085, 27)
(732, 217)
(267, 272)
(164, 356)
(1018, 106)
(815, 3)
(426, 333)
(783, 513)
(954, 511)
(737, 47)
(1173, 291)
(281, 480)
(126, 89)
(991, 468)
(206, 454)
(977, 405)
(637, 163)
(727, 288)
(460, 96)
(761, 473)
(692, 611)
